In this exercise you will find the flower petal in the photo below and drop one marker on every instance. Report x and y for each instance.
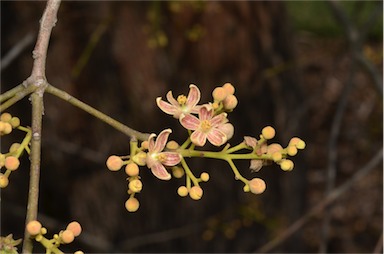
(172, 100)
(256, 165)
(189, 122)
(170, 158)
(193, 96)
(217, 137)
(161, 141)
(199, 138)
(160, 172)
(205, 114)
(166, 107)
(219, 119)
(151, 142)
(250, 141)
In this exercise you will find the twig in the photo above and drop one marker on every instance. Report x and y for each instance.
(94, 112)
(15, 94)
(38, 79)
(16, 50)
(336, 193)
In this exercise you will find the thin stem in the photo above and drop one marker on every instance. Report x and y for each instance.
(189, 173)
(238, 176)
(94, 112)
(14, 95)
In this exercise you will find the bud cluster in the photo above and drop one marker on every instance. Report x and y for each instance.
(10, 160)
(66, 236)
(206, 122)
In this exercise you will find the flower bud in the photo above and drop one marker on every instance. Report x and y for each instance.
(256, 165)
(268, 132)
(299, 143)
(14, 147)
(257, 185)
(4, 181)
(114, 163)
(291, 150)
(286, 165)
(15, 122)
(172, 145)
(75, 227)
(34, 227)
(177, 172)
(5, 117)
(7, 128)
(67, 236)
(135, 185)
(204, 177)
(12, 163)
(196, 192)
(139, 158)
(276, 156)
(132, 204)
(182, 191)
(230, 102)
(228, 130)
(219, 94)
(132, 169)
(272, 148)
(144, 144)
(229, 88)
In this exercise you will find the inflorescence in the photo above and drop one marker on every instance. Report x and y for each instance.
(204, 123)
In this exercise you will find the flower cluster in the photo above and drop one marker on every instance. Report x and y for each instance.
(205, 122)
(37, 231)
(10, 160)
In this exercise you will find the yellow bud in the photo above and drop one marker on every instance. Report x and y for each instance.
(286, 165)
(291, 150)
(204, 177)
(219, 94)
(182, 191)
(34, 227)
(2, 160)
(135, 185)
(272, 148)
(299, 143)
(172, 145)
(229, 88)
(268, 132)
(196, 192)
(7, 128)
(2, 126)
(78, 252)
(132, 169)
(276, 156)
(246, 188)
(132, 204)
(257, 185)
(15, 122)
(67, 236)
(144, 144)
(14, 147)
(177, 172)
(5, 117)
(4, 181)
(75, 227)
(12, 163)
(230, 102)
(114, 163)
(140, 158)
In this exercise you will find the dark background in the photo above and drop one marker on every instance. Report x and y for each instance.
(292, 65)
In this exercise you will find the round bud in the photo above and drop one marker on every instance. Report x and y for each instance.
(291, 150)
(215, 105)
(219, 94)
(298, 142)
(286, 165)
(228, 130)
(67, 236)
(38, 238)
(276, 156)
(2, 126)
(132, 205)
(272, 148)
(132, 169)
(144, 144)
(257, 185)
(14, 147)
(3, 181)
(15, 122)
(172, 145)
(229, 88)
(268, 132)
(78, 252)
(7, 128)
(182, 191)
(230, 102)
(135, 185)
(196, 192)
(75, 227)
(12, 163)
(204, 177)
(114, 163)
(177, 172)
(5, 117)
(140, 158)
(34, 227)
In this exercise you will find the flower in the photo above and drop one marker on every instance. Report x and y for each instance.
(156, 159)
(207, 126)
(183, 105)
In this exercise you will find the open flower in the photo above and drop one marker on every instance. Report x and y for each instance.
(207, 126)
(156, 159)
(183, 105)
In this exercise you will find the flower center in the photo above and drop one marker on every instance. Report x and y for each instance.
(161, 157)
(205, 125)
(181, 99)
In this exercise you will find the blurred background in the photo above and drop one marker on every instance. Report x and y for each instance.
(311, 69)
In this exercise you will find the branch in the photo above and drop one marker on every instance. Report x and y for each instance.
(38, 80)
(336, 193)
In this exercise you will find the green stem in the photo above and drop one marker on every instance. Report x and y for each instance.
(25, 142)
(14, 95)
(238, 176)
(222, 155)
(94, 112)
(50, 247)
(189, 173)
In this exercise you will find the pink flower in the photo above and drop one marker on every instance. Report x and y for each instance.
(207, 126)
(156, 159)
(183, 105)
